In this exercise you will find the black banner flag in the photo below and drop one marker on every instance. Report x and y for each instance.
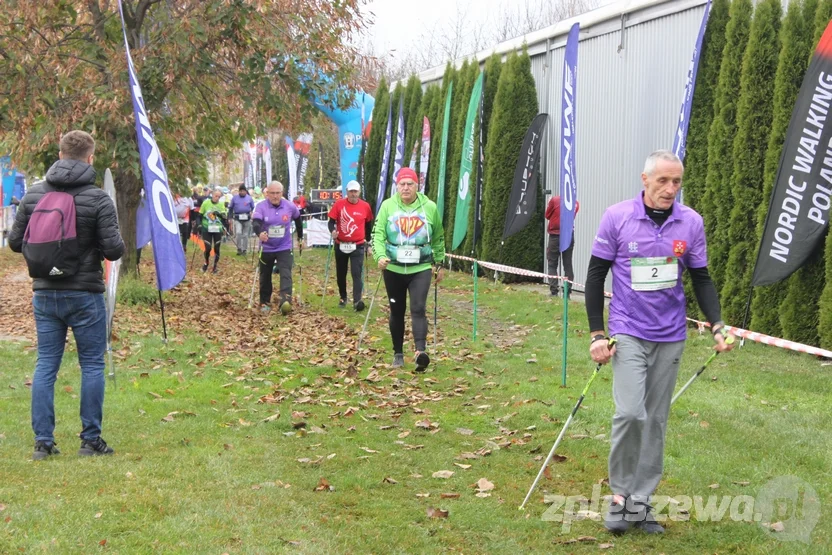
(798, 213)
(523, 199)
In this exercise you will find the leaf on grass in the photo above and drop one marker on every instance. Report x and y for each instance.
(389, 480)
(102, 543)
(368, 450)
(579, 436)
(98, 515)
(606, 545)
(714, 486)
(482, 494)
(444, 474)
(170, 416)
(579, 539)
(68, 388)
(483, 485)
(154, 395)
(2, 507)
(324, 485)
(404, 434)
(436, 513)
(558, 458)
(742, 483)
(464, 431)
(463, 466)
(704, 424)
(424, 495)
(777, 527)
(449, 496)
(273, 417)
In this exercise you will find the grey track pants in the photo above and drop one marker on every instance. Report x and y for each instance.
(644, 375)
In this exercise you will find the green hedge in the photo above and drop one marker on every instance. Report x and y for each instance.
(795, 41)
(754, 117)
(716, 201)
(515, 106)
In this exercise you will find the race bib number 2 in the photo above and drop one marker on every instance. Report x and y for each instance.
(654, 274)
(407, 254)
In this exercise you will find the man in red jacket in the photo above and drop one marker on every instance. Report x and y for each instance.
(553, 253)
(351, 224)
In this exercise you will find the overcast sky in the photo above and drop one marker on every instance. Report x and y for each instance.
(395, 27)
(396, 24)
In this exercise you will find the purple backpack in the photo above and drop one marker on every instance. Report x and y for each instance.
(50, 244)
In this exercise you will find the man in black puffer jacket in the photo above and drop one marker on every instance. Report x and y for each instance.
(75, 301)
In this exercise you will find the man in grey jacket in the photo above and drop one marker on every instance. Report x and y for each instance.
(74, 301)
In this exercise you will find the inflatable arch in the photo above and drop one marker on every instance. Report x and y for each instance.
(350, 123)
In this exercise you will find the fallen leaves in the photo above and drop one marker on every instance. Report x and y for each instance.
(172, 415)
(272, 418)
(443, 474)
(437, 513)
(483, 485)
(324, 485)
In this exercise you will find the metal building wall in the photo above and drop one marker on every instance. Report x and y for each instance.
(628, 96)
(631, 76)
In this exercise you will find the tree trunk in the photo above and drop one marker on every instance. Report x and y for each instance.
(128, 190)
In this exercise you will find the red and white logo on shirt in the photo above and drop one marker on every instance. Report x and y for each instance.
(679, 247)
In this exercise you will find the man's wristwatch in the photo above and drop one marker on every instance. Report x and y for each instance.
(597, 337)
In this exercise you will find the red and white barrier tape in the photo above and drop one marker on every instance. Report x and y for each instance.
(739, 332)
(517, 271)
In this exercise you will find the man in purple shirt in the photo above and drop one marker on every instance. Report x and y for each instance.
(272, 223)
(240, 210)
(648, 242)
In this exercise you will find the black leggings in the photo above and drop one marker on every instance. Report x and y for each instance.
(216, 239)
(184, 234)
(398, 285)
(355, 259)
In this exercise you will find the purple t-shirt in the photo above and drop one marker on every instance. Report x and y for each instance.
(241, 205)
(277, 222)
(628, 237)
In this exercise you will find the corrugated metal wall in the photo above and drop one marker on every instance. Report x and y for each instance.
(628, 103)
(629, 91)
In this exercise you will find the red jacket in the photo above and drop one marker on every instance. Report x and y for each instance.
(553, 214)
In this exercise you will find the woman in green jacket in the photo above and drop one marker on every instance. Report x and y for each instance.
(409, 246)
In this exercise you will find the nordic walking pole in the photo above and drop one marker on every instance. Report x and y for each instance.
(193, 256)
(369, 310)
(435, 309)
(300, 272)
(563, 431)
(326, 273)
(729, 340)
(254, 276)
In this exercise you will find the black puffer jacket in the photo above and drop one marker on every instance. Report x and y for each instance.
(95, 223)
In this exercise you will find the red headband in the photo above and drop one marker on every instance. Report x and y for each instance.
(406, 173)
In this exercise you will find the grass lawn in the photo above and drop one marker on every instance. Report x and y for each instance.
(204, 464)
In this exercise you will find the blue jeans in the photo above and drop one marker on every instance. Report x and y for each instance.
(84, 312)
